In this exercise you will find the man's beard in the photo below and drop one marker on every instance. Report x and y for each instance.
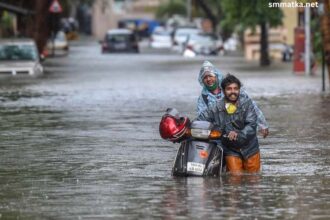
(232, 97)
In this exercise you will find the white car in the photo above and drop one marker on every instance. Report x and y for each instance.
(231, 44)
(181, 35)
(59, 43)
(160, 38)
(19, 57)
(203, 44)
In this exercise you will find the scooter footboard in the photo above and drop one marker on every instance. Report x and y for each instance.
(198, 158)
(180, 162)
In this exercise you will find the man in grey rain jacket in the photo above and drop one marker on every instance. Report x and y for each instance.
(236, 117)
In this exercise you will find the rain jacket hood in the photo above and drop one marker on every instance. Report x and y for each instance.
(208, 66)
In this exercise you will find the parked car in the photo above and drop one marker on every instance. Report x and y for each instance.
(120, 40)
(203, 44)
(180, 36)
(59, 44)
(19, 57)
(231, 44)
(161, 38)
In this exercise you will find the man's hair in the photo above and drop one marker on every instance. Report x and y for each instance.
(229, 79)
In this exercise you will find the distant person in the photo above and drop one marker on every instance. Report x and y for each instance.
(72, 23)
(210, 79)
(235, 116)
(287, 53)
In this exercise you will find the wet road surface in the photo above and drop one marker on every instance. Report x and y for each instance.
(82, 142)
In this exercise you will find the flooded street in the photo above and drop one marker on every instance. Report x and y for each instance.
(82, 142)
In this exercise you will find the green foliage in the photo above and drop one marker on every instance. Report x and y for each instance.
(6, 24)
(317, 38)
(66, 7)
(170, 8)
(87, 2)
(249, 13)
(215, 7)
(6, 20)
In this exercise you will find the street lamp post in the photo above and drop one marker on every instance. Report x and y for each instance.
(321, 14)
(307, 41)
(188, 7)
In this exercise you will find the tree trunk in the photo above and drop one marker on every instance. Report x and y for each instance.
(325, 27)
(41, 23)
(264, 56)
(209, 14)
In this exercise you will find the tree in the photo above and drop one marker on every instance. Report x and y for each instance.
(37, 24)
(250, 14)
(212, 10)
(34, 23)
(170, 8)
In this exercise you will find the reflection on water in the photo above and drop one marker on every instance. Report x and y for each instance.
(76, 147)
(247, 196)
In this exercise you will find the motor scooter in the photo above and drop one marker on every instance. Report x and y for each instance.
(200, 153)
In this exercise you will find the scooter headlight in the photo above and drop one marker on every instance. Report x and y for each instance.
(200, 133)
(204, 134)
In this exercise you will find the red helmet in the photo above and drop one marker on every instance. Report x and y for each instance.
(172, 127)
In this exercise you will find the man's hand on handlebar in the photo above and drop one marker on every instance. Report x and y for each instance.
(232, 136)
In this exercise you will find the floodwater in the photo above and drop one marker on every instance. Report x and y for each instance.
(82, 142)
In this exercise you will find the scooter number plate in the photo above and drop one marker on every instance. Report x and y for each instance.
(195, 167)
